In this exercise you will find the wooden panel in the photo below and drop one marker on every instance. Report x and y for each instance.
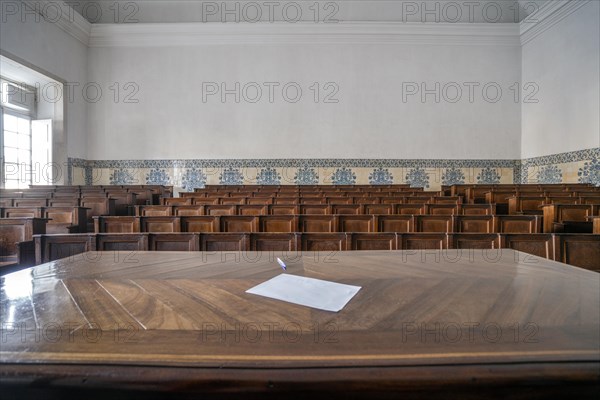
(259, 201)
(475, 241)
(434, 223)
(174, 242)
(153, 210)
(220, 209)
(395, 223)
(317, 223)
(160, 224)
(595, 199)
(579, 250)
(478, 209)
(205, 201)
(379, 209)
(373, 241)
(224, 242)
(410, 209)
(176, 201)
(441, 209)
(418, 199)
(356, 223)
(354, 209)
(116, 224)
(499, 196)
(339, 200)
(285, 200)
(366, 200)
(63, 202)
(193, 210)
(423, 241)
(66, 219)
(123, 200)
(233, 200)
(446, 199)
(518, 224)
(475, 223)
(13, 230)
(282, 209)
(238, 223)
(98, 206)
(315, 209)
(393, 200)
(23, 212)
(522, 204)
(30, 202)
(476, 194)
(596, 225)
(565, 212)
(54, 247)
(540, 244)
(312, 200)
(205, 223)
(324, 242)
(274, 242)
(122, 242)
(278, 223)
(563, 200)
(252, 210)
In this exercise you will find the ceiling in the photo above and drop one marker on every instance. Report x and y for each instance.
(325, 11)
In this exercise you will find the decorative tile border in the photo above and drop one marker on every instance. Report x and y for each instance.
(581, 166)
(185, 175)
(302, 163)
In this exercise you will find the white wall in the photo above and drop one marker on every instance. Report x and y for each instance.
(370, 121)
(45, 46)
(564, 62)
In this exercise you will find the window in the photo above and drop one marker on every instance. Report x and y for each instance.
(16, 150)
(25, 143)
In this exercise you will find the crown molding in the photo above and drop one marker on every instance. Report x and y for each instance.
(216, 33)
(193, 34)
(69, 20)
(547, 16)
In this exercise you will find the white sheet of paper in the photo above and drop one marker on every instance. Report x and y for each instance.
(316, 293)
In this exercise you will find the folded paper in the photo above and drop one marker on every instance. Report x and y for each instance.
(310, 292)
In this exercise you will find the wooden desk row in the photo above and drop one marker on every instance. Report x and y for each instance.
(547, 198)
(291, 209)
(59, 219)
(121, 202)
(554, 213)
(382, 193)
(322, 223)
(257, 188)
(310, 200)
(580, 250)
(561, 213)
(476, 193)
(97, 205)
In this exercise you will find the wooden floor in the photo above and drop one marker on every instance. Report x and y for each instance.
(453, 324)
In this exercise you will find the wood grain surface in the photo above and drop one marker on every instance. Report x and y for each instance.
(145, 313)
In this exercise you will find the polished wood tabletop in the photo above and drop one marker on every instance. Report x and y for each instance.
(422, 320)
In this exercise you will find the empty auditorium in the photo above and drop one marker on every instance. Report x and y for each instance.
(307, 199)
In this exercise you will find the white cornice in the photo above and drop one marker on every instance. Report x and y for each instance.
(66, 19)
(191, 34)
(347, 32)
(547, 16)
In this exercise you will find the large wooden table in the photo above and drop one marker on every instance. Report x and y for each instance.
(424, 324)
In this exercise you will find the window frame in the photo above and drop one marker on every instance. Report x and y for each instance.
(3, 111)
